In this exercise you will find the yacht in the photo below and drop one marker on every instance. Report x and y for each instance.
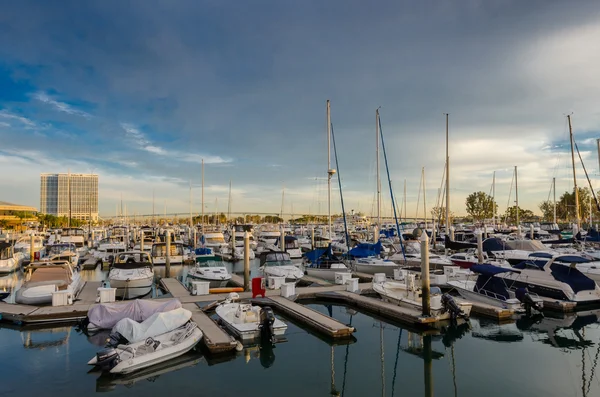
(44, 278)
(492, 290)
(62, 251)
(214, 240)
(109, 246)
(23, 245)
(279, 264)
(553, 279)
(131, 273)
(9, 259)
(213, 271)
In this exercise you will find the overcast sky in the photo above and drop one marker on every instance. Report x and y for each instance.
(140, 91)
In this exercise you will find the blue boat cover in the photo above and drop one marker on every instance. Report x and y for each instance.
(203, 251)
(389, 233)
(492, 284)
(365, 250)
(489, 270)
(316, 257)
(572, 259)
(540, 255)
(539, 263)
(570, 275)
(494, 244)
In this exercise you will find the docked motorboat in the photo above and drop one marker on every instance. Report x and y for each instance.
(586, 264)
(109, 247)
(237, 254)
(132, 274)
(9, 259)
(107, 315)
(44, 278)
(62, 252)
(159, 253)
(279, 264)
(408, 294)
(292, 247)
(23, 245)
(366, 259)
(214, 240)
(213, 271)
(322, 263)
(552, 279)
(248, 322)
(159, 338)
(492, 290)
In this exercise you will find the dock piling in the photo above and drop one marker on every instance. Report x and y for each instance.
(425, 274)
(31, 249)
(246, 261)
(480, 248)
(168, 254)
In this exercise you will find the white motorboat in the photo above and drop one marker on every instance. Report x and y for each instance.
(9, 259)
(214, 240)
(62, 251)
(292, 247)
(585, 263)
(159, 253)
(131, 274)
(213, 271)
(75, 236)
(110, 246)
(237, 254)
(553, 279)
(492, 290)
(44, 278)
(279, 264)
(248, 322)
(23, 245)
(159, 338)
(408, 294)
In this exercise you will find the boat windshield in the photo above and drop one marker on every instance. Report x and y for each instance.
(210, 264)
(60, 248)
(278, 259)
(125, 257)
(5, 252)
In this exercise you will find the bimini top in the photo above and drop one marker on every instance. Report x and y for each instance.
(365, 250)
(489, 270)
(571, 259)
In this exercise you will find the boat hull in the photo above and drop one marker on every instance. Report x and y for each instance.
(133, 288)
(373, 269)
(325, 274)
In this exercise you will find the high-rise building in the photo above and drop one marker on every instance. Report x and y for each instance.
(55, 190)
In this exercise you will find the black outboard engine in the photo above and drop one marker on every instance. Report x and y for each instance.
(452, 307)
(527, 300)
(267, 319)
(107, 359)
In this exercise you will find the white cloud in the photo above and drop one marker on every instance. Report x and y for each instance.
(27, 123)
(60, 106)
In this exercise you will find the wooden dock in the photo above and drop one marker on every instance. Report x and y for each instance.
(315, 320)
(174, 287)
(214, 338)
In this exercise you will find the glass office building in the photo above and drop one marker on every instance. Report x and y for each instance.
(55, 190)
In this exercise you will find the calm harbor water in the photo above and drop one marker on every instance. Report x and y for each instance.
(553, 356)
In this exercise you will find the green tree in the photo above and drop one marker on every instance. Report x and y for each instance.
(524, 215)
(480, 206)
(547, 208)
(3, 223)
(565, 207)
(439, 215)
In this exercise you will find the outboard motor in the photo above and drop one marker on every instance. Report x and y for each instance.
(267, 319)
(107, 359)
(527, 300)
(452, 307)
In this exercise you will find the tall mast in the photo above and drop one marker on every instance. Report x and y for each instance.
(282, 201)
(574, 175)
(554, 192)
(598, 143)
(153, 220)
(229, 203)
(377, 166)
(190, 204)
(202, 221)
(494, 199)
(405, 213)
(447, 180)
(424, 198)
(329, 170)
(517, 195)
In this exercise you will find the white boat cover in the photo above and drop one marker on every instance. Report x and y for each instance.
(107, 315)
(157, 324)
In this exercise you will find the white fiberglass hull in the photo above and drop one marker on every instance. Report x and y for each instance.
(325, 274)
(291, 273)
(131, 362)
(10, 265)
(388, 269)
(174, 260)
(132, 288)
(249, 331)
(465, 289)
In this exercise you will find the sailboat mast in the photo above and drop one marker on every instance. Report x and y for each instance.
(229, 203)
(190, 205)
(494, 199)
(282, 201)
(554, 192)
(424, 198)
(517, 197)
(153, 212)
(329, 173)
(405, 213)
(574, 175)
(447, 180)
(377, 166)
(202, 203)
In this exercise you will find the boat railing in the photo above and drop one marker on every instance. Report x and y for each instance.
(491, 294)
